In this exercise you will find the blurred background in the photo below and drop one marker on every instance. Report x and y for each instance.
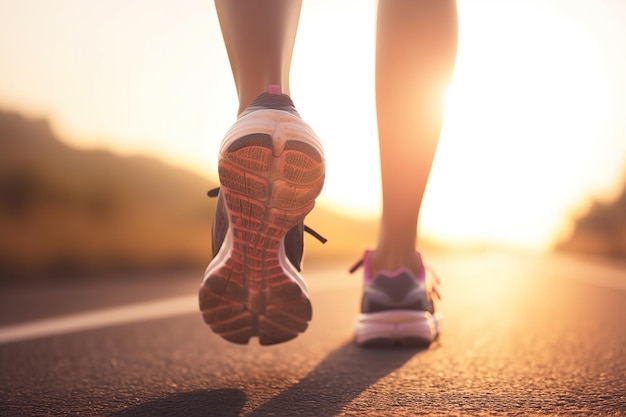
(111, 114)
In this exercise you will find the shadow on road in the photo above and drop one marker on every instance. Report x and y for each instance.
(200, 403)
(336, 381)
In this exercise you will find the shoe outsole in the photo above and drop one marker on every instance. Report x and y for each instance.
(252, 291)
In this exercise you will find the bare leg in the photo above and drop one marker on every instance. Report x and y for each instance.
(415, 56)
(259, 36)
(271, 168)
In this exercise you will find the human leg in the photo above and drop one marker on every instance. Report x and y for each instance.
(271, 169)
(415, 54)
(259, 37)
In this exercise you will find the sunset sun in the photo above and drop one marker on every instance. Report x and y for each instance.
(523, 112)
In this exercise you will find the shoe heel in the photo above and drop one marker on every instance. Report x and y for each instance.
(253, 290)
(396, 327)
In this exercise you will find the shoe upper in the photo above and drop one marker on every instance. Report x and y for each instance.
(266, 100)
(398, 290)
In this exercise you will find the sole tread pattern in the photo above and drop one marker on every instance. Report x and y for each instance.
(251, 294)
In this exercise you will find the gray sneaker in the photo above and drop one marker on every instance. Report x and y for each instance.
(397, 308)
(271, 169)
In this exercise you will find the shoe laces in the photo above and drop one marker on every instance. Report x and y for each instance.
(214, 192)
(357, 265)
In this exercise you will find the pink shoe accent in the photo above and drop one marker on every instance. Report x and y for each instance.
(274, 89)
(367, 274)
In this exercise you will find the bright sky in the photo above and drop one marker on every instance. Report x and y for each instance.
(536, 111)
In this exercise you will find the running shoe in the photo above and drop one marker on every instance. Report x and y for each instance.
(397, 308)
(271, 168)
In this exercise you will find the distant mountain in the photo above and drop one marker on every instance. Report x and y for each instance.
(600, 231)
(65, 211)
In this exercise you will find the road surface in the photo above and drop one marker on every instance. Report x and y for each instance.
(522, 335)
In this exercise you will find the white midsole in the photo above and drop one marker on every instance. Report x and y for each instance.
(281, 125)
(396, 325)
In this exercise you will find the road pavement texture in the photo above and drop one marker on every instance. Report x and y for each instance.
(522, 335)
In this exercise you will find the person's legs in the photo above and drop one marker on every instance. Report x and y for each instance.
(415, 56)
(271, 169)
(259, 38)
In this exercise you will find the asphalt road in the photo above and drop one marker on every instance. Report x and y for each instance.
(522, 335)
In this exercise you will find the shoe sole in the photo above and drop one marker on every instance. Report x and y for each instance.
(269, 185)
(396, 328)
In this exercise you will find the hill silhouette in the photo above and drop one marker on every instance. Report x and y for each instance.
(65, 211)
(601, 230)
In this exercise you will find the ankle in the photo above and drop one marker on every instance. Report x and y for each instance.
(393, 259)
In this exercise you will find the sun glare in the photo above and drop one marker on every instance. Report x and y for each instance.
(333, 85)
(523, 112)
(534, 120)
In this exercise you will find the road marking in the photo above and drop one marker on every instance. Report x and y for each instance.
(99, 318)
(321, 281)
